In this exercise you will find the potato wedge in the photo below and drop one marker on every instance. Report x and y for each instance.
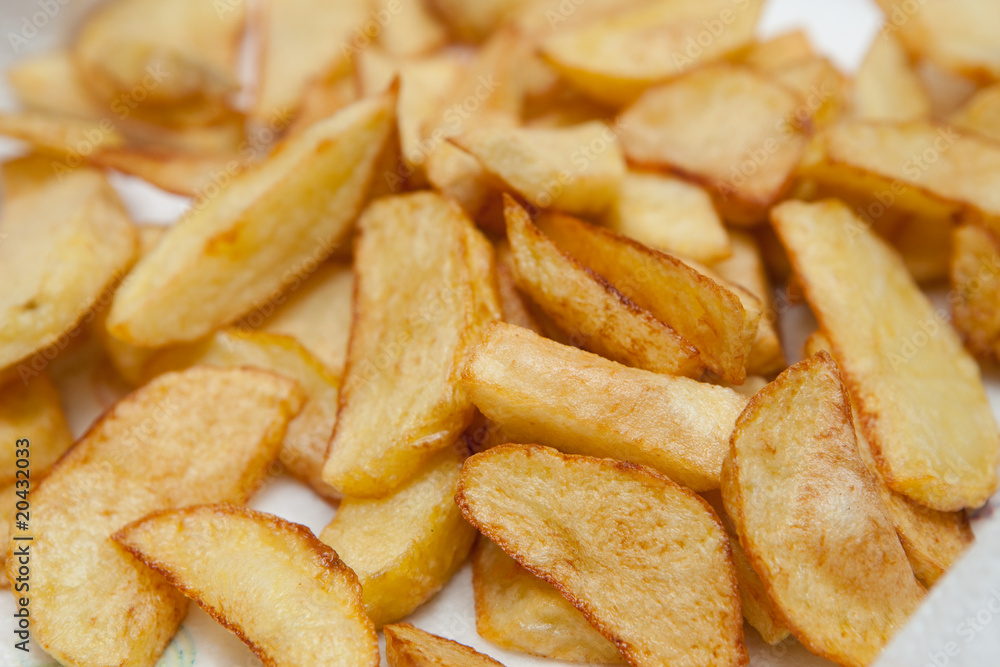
(65, 137)
(886, 87)
(778, 51)
(270, 582)
(404, 547)
(704, 311)
(423, 295)
(409, 28)
(227, 249)
(595, 314)
(475, 21)
(810, 518)
(92, 604)
(181, 173)
(50, 82)
(461, 177)
(407, 646)
(517, 308)
(919, 394)
(981, 113)
(820, 85)
(32, 411)
(67, 240)
(748, 172)
(657, 580)
(975, 295)
(517, 611)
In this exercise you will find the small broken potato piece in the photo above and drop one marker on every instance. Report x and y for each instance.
(407, 646)
(66, 240)
(921, 401)
(271, 582)
(239, 249)
(810, 518)
(517, 611)
(404, 547)
(886, 87)
(975, 282)
(981, 113)
(93, 604)
(588, 307)
(424, 292)
(752, 168)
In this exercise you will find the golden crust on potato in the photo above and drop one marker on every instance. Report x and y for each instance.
(975, 305)
(886, 87)
(407, 646)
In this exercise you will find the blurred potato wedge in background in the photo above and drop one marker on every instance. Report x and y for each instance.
(50, 82)
(92, 604)
(886, 87)
(67, 138)
(975, 284)
(407, 646)
(271, 582)
(811, 520)
(981, 113)
(409, 27)
(772, 54)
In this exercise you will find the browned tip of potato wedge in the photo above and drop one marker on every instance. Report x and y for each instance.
(407, 646)
(657, 580)
(810, 518)
(271, 582)
(921, 401)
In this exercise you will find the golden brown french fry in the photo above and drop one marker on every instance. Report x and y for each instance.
(407, 646)
(975, 285)
(886, 87)
(981, 113)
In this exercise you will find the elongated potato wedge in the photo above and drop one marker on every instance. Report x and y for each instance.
(67, 239)
(184, 174)
(579, 403)
(406, 546)
(271, 582)
(92, 604)
(589, 308)
(922, 405)
(423, 295)
(886, 87)
(975, 304)
(752, 168)
(657, 581)
(517, 611)
(62, 136)
(933, 541)
(407, 646)
(981, 113)
(810, 518)
(703, 311)
(241, 248)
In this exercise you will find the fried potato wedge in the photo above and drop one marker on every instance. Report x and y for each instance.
(461, 177)
(821, 86)
(576, 169)
(657, 580)
(517, 611)
(407, 646)
(615, 58)
(933, 541)
(404, 547)
(50, 82)
(242, 247)
(67, 239)
(669, 214)
(749, 171)
(93, 604)
(589, 308)
(516, 307)
(62, 136)
(270, 582)
(810, 518)
(183, 174)
(475, 21)
(778, 51)
(31, 411)
(886, 87)
(704, 311)
(981, 113)
(424, 292)
(410, 29)
(579, 403)
(975, 283)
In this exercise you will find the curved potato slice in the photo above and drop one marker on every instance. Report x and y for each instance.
(68, 240)
(271, 582)
(919, 395)
(92, 604)
(810, 518)
(404, 547)
(648, 563)
(588, 307)
(407, 646)
(235, 251)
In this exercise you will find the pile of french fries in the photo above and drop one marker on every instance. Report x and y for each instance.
(497, 278)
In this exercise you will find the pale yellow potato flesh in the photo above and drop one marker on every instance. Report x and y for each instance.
(424, 292)
(975, 304)
(811, 520)
(405, 547)
(91, 603)
(50, 82)
(66, 137)
(407, 646)
(183, 174)
(777, 52)
(517, 611)
(474, 21)
(67, 239)
(241, 248)
(947, 90)
(921, 401)
(886, 87)
(981, 113)
(409, 27)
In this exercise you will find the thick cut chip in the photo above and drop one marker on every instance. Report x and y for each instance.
(810, 518)
(32, 412)
(66, 240)
(886, 87)
(752, 168)
(576, 169)
(404, 547)
(919, 394)
(648, 563)
(517, 611)
(589, 308)
(671, 215)
(423, 294)
(975, 282)
(271, 582)
(242, 247)
(981, 113)
(91, 603)
(407, 646)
